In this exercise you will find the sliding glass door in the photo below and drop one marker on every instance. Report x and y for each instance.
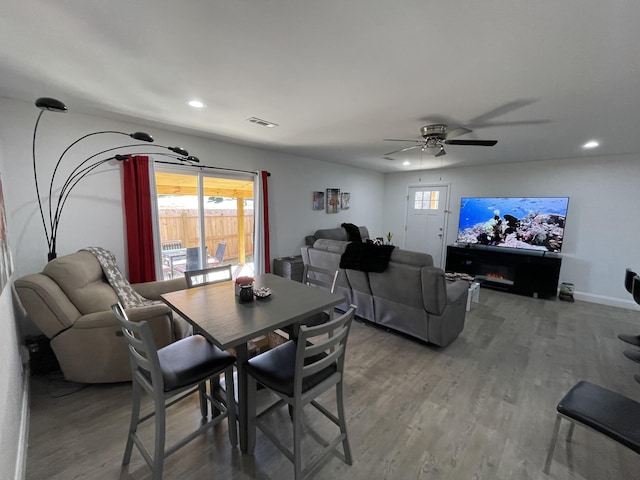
(203, 220)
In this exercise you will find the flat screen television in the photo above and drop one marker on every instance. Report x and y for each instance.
(535, 223)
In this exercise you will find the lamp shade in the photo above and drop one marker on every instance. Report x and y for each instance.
(179, 151)
(142, 136)
(51, 104)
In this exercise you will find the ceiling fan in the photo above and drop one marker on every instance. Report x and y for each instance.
(436, 135)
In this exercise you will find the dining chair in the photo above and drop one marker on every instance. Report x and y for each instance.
(601, 410)
(298, 372)
(192, 260)
(321, 278)
(170, 375)
(219, 256)
(207, 276)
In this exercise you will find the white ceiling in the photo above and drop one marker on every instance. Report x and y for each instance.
(339, 76)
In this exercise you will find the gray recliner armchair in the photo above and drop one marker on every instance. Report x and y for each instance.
(70, 302)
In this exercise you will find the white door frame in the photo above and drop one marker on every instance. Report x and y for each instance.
(447, 212)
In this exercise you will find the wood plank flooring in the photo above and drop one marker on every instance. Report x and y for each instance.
(482, 408)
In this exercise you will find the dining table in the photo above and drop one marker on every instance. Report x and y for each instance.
(216, 312)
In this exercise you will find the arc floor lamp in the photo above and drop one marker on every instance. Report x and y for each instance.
(51, 221)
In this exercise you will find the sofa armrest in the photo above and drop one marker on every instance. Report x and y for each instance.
(159, 317)
(457, 291)
(153, 290)
(434, 290)
(137, 314)
(46, 304)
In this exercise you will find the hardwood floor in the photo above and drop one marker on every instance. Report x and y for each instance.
(482, 408)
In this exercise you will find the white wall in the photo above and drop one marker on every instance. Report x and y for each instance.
(13, 385)
(602, 222)
(93, 215)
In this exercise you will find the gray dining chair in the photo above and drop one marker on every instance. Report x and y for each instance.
(298, 372)
(207, 276)
(170, 375)
(321, 278)
(600, 410)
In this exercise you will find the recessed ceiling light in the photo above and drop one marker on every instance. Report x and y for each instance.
(196, 104)
(591, 144)
(406, 162)
(264, 123)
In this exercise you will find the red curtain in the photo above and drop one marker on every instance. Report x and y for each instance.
(139, 223)
(265, 204)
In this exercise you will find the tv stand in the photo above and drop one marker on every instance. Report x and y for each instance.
(520, 271)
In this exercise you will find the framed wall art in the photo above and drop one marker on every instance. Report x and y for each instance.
(345, 201)
(318, 200)
(333, 200)
(6, 264)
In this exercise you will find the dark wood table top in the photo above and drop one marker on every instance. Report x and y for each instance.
(217, 313)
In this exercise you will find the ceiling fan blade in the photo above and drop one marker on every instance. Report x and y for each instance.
(403, 150)
(480, 143)
(398, 140)
(456, 132)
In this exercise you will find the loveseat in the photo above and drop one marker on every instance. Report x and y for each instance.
(70, 300)
(411, 295)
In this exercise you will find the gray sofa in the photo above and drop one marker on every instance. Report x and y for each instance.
(411, 295)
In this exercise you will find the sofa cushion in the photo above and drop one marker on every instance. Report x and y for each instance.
(334, 246)
(334, 234)
(408, 257)
(80, 277)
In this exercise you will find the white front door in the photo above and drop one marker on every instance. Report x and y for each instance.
(426, 220)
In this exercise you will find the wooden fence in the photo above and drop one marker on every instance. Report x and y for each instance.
(220, 226)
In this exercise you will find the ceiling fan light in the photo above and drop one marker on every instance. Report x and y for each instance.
(591, 144)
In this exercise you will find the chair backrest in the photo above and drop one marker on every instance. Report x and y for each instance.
(171, 244)
(320, 277)
(206, 276)
(193, 260)
(328, 348)
(220, 249)
(145, 366)
(629, 275)
(636, 289)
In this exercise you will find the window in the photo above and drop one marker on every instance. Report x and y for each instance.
(426, 200)
(203, 220)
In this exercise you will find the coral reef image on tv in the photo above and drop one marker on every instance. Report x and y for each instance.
(516, 222)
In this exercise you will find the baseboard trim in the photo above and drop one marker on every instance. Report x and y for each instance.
(604, 300)
(21, 461)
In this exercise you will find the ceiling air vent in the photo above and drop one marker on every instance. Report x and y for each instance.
(264, 123)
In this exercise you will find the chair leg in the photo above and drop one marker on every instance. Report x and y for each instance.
(231, 407)
(297, 440)
(202, 394)
(136, 391)
(252, 387)
(552, 447)
(572, 426)
(343, 424)
(160, 421)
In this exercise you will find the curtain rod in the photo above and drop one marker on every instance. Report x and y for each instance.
(207, 166)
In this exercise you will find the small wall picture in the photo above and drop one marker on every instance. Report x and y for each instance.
(318, 200)
(346, 200)
(333, 200)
